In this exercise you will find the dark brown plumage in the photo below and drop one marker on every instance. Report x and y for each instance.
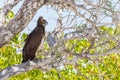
(33, 40)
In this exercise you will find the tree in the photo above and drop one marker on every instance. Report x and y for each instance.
(85, 41)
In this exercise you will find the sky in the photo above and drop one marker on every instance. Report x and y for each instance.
(49, 14)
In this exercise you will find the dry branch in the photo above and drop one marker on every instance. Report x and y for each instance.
(43, 64)
(10, 5)
(22, 18)
(20, 21)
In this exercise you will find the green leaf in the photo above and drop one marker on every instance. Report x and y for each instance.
(24, 36)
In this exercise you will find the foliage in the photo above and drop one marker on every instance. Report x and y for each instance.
(10, 53)
(77, 46)
(9, 16)
(108, 67)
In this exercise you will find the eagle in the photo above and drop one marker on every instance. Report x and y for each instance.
(33, 40)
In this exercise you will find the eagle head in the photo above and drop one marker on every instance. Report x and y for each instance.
(42, 21)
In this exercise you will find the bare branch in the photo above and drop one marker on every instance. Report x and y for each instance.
(43, 64)
(21, 20)
(9, 5)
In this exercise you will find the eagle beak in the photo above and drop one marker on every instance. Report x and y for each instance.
(46, 23)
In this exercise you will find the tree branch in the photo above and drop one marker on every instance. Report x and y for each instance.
(44, 64)
(22, 18)
(10, 5)
(20, 21)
